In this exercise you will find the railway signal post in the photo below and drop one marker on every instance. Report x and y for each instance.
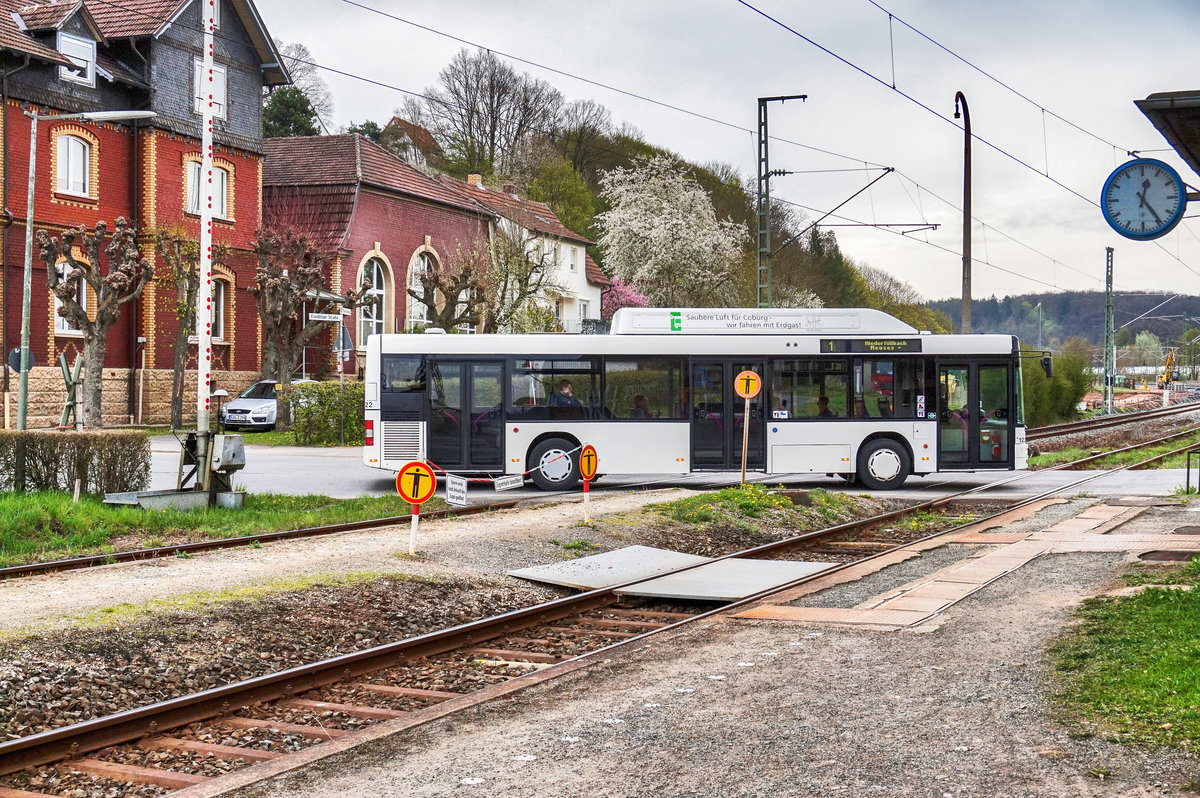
(746, 385)
(416, 484)
(588, 462)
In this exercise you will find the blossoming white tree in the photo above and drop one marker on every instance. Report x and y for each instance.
(663, 235)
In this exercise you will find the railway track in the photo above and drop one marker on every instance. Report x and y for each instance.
(185, 741)
(1104, 422)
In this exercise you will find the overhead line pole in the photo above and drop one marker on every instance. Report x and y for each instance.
(959, 97)
(764, 199)
(1110, 336)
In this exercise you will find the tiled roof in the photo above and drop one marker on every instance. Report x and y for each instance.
(125, 18)
(321, 211)
(47, 16)
(531, 215)
(119, 71)
(351, 159)
(14, 39)
(421, 138)
(595, 275)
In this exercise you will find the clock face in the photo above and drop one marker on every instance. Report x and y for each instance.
(1143, 199)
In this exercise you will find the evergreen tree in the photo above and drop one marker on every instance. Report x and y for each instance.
(289, 113)
(366, 128)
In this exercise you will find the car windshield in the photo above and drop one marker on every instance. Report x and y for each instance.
(259, 390)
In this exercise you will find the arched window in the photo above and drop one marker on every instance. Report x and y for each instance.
(418, 311)
(74, 165)
(62, 325)
(219, 290)
(371, 314)
(220, 190)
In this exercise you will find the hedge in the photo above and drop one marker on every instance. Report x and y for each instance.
(107, 461)
(318, 407)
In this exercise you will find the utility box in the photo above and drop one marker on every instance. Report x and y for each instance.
(228, 453)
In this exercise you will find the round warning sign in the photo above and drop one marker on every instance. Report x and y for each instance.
(416, 483)
(747, 384)
(588, 460)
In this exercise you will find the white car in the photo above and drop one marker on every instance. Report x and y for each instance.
(254, 408)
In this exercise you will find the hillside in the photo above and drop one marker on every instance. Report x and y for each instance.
(1071, 314)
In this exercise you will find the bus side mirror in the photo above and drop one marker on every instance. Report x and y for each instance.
(1048, 366)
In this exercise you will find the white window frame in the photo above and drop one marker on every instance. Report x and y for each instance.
(63, 326)
(65, 163)
(217, 14)
(573, 254)
(218, 309)
(418, 311)
(584, 307)
(376, 295)
(78, 56)
(220, 190)
(220, 88)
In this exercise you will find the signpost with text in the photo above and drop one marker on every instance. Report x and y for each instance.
(416, 484)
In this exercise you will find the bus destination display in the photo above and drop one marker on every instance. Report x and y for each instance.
(870, 346)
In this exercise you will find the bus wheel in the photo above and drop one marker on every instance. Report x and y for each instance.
(555, 466)
(883, 464)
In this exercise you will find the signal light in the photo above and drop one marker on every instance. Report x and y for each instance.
(369, 432)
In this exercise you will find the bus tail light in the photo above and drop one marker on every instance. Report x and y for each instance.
(369, 432)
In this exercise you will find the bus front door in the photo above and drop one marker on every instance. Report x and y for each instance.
(719, 417)
(975, 427)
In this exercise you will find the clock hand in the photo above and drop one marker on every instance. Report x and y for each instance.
(1141, 195)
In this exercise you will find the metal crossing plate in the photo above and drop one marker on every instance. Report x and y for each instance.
(726, 580)
(610, 568)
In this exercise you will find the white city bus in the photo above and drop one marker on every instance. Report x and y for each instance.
(850, 392)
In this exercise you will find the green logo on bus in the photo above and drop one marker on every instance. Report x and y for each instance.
(676, 321)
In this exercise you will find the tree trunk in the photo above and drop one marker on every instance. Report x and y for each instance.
(270, 358)
(177, 378)
(283, 410)
(93, 384)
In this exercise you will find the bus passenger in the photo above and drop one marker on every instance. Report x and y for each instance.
(639, 409)
(823, 410)
(565, 396)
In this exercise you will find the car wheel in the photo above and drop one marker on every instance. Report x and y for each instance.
(554, 465)
(883, 464)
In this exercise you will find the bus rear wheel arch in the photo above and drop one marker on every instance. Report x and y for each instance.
(883, 464)
(554, 464)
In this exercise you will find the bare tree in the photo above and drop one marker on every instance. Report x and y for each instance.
(291, 271)
(890, 290)
(586, 125)
(180, 257)
(451, 288)
(521, 274)
(71, 279)
(300, 64)
(482, 109)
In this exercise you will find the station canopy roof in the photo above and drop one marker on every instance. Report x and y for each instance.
(1176, 114)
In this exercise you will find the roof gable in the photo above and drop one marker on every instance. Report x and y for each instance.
(14, 35)
(531, 215)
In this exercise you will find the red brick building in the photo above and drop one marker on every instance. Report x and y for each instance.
(66, 58)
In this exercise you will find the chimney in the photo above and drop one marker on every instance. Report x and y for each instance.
(475, 179)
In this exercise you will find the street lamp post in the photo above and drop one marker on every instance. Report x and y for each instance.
(27, 286)
(959, 97)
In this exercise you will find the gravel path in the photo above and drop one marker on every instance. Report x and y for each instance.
(766, 709)
(514, 538)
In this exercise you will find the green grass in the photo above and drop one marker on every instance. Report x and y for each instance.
(46, 526)
(1132, 667)
(745, 501)
(1124, 458)
(264, 437)
(575, 546)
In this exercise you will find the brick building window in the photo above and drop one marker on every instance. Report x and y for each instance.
(417, 312)
(372, 313)
(221, 183)
(63, 326)
(73, 166)
(81, 53)
(218, 309)
(219, 88)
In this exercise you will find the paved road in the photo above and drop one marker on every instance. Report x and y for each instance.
(340, 472)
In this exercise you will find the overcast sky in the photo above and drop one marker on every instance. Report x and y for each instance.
(1083, 60)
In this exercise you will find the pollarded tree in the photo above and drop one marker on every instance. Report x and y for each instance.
(71, 279)
(662, 235)
(180, 258)
(291, 272)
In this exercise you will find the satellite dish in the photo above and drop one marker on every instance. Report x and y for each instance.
(14, 360)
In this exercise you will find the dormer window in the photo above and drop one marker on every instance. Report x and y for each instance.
(81, 53)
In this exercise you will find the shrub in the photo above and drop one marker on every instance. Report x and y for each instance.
(1051, 400)
(319, 409)
(105, 461)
